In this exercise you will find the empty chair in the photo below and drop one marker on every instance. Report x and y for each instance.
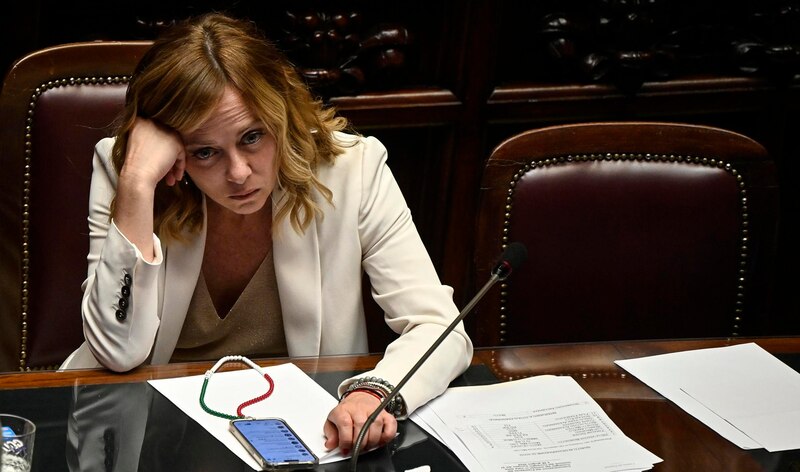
(634, 230)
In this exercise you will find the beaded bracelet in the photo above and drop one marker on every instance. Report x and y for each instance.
(369, 391)
(396, 407)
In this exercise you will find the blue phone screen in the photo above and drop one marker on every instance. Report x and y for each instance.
(274, 441)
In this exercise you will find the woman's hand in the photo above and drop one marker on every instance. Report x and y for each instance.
(345, 422)
(154, 153)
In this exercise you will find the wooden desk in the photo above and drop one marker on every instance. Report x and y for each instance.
(684, 443)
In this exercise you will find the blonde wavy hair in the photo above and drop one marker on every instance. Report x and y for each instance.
(180, 80)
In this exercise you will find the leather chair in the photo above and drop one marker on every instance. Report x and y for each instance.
(634, 230)
(56, 104)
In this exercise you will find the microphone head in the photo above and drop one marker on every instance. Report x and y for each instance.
(514, 255)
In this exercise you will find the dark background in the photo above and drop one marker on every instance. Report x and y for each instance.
(441, 83)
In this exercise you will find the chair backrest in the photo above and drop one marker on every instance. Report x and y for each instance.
(55, 104)
(634, 230)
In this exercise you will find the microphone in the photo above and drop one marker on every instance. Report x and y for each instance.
(514, 255)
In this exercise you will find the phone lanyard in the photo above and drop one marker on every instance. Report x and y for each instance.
(239, 414)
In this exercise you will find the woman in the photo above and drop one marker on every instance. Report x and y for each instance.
(231, 215)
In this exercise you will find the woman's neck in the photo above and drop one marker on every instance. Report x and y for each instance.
(220, 220)
(236, 245)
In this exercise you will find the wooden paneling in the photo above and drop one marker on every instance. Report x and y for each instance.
(441, 83)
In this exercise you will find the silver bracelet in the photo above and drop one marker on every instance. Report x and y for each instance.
(396, 407)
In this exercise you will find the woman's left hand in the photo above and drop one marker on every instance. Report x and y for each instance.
(345, 422)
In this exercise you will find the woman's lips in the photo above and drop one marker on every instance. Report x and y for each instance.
(245, 195)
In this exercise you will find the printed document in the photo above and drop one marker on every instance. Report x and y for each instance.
(535, 424)
(742, 392)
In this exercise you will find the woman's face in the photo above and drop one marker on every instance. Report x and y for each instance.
(231, 157)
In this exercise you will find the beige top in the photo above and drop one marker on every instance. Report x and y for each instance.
(253, 327)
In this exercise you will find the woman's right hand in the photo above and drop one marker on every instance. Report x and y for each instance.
(154, 153)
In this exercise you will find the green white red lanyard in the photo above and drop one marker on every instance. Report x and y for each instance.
(239, 414)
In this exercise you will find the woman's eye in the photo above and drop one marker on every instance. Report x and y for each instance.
(252, 137)
(203, 154)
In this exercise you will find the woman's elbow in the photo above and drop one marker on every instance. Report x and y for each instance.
(117, 359)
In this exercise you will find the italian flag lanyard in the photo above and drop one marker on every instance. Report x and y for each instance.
(239, 414)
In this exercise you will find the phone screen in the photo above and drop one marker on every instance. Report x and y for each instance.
(274, 441)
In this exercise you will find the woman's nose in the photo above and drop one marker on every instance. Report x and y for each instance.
(238, 168)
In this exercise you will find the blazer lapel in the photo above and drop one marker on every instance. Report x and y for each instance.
(297, 271)
(183, 262)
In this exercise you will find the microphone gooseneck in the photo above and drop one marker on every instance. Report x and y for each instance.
(514, 255)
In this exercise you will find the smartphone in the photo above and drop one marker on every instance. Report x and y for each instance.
(273, 444)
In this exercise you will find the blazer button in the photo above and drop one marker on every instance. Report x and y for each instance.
(128, 279)
(123, 303)
(121, 315)
(126, 291)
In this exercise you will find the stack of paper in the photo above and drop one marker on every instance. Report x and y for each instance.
(539, 423)
(742, 392)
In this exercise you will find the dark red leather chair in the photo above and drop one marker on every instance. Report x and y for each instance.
(56, 104)
(634, 231)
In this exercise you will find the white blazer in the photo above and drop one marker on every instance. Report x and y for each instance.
(368, 228)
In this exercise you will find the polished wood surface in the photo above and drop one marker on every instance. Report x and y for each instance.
(42, 379)
(683, 442)
(587, 362)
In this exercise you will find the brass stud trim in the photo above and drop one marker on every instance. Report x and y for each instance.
(26, 191)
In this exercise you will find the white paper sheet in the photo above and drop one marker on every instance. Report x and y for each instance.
(539, 423)
(296, 398)
(743, 392)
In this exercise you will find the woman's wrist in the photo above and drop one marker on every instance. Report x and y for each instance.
(375, 393)
(379, 387)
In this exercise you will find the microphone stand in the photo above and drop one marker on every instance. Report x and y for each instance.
(501, 272)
